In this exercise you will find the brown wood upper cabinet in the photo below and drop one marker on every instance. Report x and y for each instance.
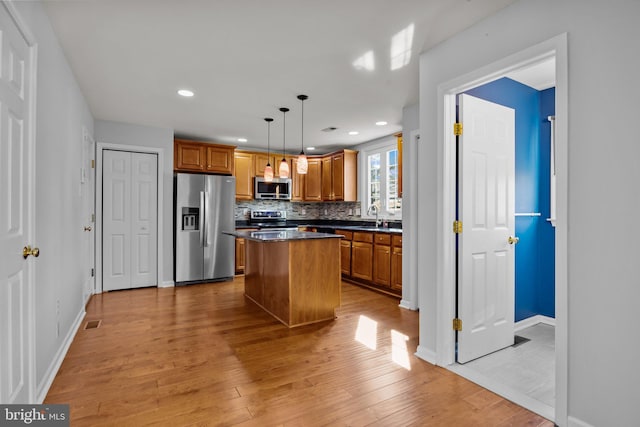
(313, 180)
(297, 182)
(244, 175)
(339, 176)
(200, 156)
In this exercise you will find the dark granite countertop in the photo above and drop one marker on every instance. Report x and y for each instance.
(280, 235)
(332, 225)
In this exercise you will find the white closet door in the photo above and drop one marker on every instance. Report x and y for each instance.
(144, 192)
(129, 215)
(116, 217)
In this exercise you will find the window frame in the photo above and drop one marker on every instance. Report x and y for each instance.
(382, 146)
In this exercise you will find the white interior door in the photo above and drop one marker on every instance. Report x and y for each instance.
(129, 215)
(486, 268)
(16, 214)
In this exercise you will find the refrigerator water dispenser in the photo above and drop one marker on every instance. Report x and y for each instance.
(190, 219)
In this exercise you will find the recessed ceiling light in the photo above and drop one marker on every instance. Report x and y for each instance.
(185, 92)
(381, 123)
(311, 148)
(354, 132)
(242, 139)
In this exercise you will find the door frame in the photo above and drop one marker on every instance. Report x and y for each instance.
(446, 248)
(100, 147)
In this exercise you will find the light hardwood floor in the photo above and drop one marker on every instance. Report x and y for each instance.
(203, 355)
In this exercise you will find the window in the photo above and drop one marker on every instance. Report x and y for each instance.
(381, 181)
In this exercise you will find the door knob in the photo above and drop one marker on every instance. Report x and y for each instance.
(87, 228)
(27, 250)
(513, 240)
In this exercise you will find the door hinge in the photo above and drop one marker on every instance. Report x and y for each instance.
(457, 129)
(93, 217)
(457, 324)
(457, 227)
(93, 272)
(93, 164)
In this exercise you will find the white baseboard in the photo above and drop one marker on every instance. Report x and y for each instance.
(167, 284)
(534, 320)
(426, 354)
(408, 305)
(49, 376)
(575, 422)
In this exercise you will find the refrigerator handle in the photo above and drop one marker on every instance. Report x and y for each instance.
(201, 220)
(205, 238)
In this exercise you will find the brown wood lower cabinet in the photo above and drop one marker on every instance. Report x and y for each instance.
(362, 256)
(239, 255)
(240, 260)
(345, 252)
(375, 259)
(396, 263)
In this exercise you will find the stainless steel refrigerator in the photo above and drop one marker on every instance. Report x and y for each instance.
(204, 208)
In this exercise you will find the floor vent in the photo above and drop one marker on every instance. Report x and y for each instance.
(93, 324)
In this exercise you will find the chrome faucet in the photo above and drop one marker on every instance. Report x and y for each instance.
(375, 211)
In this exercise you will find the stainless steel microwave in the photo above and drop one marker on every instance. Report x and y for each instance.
(279, 188)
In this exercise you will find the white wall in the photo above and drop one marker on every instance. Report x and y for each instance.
(61, 114)
(146, 136)
(603, 291)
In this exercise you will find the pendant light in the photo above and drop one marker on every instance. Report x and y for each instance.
(303, 164)
(268, 170)
(284, 166)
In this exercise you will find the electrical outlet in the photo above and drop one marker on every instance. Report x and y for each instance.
(350, 211)
(326, 212)
(303, 211)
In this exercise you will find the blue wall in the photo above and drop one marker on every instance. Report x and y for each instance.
(535, 256)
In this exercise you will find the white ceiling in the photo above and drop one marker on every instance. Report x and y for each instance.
(246, 58)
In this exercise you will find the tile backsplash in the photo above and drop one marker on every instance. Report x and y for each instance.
(297, 210)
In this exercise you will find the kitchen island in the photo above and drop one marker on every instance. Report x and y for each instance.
(293, 275)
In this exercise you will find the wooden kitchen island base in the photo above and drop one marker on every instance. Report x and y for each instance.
(296, 281)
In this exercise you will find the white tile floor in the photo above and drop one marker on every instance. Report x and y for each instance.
(528, 367)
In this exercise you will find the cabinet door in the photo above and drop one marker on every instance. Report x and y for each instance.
(297, 182)
(239, 256)
(345, 257)
(327, 186)
(362, 260)
(220, 159)
(244, 176)
(382, 265)
(337, 176)
(260, 162)
(189, 156)
(313, 181)
(396, 269)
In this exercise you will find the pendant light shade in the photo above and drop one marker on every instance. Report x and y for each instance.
(268, 170)
(303, 164)
(284, 166)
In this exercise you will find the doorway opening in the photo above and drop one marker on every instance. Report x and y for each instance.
(446, 307)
